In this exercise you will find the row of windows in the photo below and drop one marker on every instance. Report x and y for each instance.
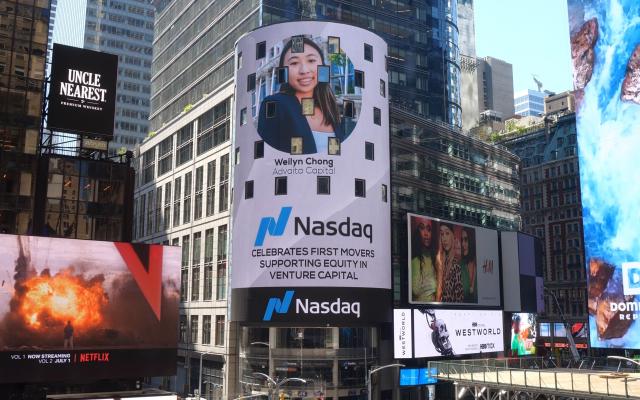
(192, 262)
(192, 337)
(160, 217)
(323, 186)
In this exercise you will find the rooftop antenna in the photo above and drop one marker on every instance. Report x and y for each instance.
(537, 81)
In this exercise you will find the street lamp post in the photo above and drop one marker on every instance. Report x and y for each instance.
(373, 371)
(276, 385)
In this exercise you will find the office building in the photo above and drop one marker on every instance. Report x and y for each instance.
(183, 190)
(529, 102)
(561, 103)
(469, 65)
(123, 28)
(551, 210)
(22, 66)
(495, 86)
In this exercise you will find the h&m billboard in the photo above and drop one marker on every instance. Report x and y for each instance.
(606, 66)
(452, 263)
(312, 177)
(447, 333)
(82, 95)
(78, 309)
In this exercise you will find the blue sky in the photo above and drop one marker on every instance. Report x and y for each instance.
(533, 35)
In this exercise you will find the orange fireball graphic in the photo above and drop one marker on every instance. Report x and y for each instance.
(52, 300)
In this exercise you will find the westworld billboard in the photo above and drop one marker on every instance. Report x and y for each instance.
(83, 310)
(606, 67)
(82, 96)
(312, 178)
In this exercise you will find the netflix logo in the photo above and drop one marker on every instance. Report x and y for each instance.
(94, 357)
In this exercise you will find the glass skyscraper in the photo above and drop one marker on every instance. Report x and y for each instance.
(194, 45)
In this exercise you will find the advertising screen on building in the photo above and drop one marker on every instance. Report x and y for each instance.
(311, 176)
(79, 309)
(446, 333)
(418, 376)
(545, 329)
(523, 334)
(82, 95)
(606, 66)
(452, 263)
(402, 333)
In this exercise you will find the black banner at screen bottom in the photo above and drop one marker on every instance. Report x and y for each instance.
(81, 365)
(311, 306)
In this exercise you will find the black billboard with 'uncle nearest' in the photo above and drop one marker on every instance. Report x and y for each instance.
(82, 96)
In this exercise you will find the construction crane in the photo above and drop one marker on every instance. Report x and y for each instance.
(537, 81)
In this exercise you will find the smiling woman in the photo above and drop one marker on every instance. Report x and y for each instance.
(305, 106)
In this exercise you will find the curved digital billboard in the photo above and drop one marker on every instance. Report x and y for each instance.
(606, 67)
(311, 202)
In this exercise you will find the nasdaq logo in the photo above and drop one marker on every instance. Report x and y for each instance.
(281, 306)
(272, 226)
(631, 278)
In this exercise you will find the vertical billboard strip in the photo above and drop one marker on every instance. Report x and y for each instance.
(311, 219)
(446, 333)
(606, 65)
(87, 310)
(452, 263)
(82, 96)
(402, 334)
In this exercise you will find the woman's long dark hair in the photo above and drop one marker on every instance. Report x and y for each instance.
(417, 249)
(471, 236)
(322, 94)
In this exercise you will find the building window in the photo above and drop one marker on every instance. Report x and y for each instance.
(158, 218)
(208, 265)
(150, 213)
(368, 151)
(377, 116)
(368, 52)
(183, 329)
(360, 188)
(184, 272)
(148, 165)
(194, 329)
(167, 206)
(384, 193)
(221, 279)
(261, 50)
(195, 267)
(206, 329)
(185, 144)
(251, 82)
(219, 330)
(239, 63)
(324, 185)
(383, 88)
(243, 116)
(359, 79)
(248, 190)
(186, 214)
(176, 201)
(211, 188)
(223, 187)
(334, 146)
(281, 185)
(296, 145)
(197, 208)
(258, 149)
(165, 155)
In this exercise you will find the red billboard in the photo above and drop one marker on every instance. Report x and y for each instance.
(77, 309)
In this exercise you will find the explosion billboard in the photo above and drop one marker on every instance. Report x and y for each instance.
(452, 263)
(83, 310)
(605, 49)
(311, 176)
